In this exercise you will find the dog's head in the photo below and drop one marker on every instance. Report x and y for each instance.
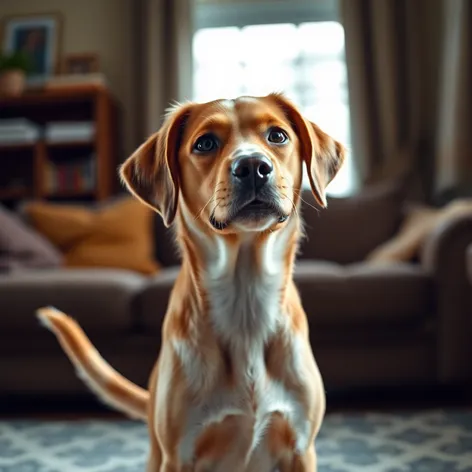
(235, 164)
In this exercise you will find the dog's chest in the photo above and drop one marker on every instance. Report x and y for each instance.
(248, 392)
(245, 300)
(245, 312)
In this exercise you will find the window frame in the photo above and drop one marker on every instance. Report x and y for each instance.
(240, 14)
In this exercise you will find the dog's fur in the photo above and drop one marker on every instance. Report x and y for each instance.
(236, 387)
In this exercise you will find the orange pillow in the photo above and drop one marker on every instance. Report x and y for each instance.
(117, 235)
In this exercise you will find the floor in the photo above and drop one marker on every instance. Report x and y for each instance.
(427, 430)
(425, 441)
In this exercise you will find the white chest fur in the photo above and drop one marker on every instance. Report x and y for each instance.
(253, 395)
(244, 299)
(244, 287)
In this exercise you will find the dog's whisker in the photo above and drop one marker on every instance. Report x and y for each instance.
(298, 194)
(199, 214)
(294, 207)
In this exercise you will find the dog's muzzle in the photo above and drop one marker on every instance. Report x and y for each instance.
(254, 191)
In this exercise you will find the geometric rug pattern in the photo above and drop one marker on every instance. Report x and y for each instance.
(434, 441)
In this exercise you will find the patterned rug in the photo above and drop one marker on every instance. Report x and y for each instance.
(423, 442)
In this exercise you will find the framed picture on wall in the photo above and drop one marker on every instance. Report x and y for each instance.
(80, 63)
(39, 37)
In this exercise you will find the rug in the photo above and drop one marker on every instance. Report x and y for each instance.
(435, 441)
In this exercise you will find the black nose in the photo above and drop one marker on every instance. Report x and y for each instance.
(253, 170)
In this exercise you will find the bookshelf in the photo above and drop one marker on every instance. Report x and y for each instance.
(80, 169)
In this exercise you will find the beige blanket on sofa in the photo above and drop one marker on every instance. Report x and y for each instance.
(419, 223)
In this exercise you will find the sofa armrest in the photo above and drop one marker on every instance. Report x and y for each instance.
(469, 263)
(444, 258)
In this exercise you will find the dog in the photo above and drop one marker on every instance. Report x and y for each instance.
(236, 386)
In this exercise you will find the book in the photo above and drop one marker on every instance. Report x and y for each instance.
(77, 175)
(69, 131)
(18, 131)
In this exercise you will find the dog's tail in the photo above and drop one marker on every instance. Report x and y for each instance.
(110, 386)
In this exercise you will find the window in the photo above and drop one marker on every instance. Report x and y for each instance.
(297, 48)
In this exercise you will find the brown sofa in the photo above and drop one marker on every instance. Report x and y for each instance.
(399, 324)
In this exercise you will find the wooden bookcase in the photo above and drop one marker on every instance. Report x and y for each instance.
(25, 168)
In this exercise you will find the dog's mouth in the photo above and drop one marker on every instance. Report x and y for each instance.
(253, 210)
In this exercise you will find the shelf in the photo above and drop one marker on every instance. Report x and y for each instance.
(13, 193)
(16, 147)
(70, 144)
(37, 162)
(64, 94)
(58, 145)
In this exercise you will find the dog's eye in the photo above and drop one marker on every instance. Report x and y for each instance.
(277, 136)
(206, 143)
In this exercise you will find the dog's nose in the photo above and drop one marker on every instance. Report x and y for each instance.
(254, 169)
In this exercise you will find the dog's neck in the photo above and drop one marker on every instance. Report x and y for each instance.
(241, 281)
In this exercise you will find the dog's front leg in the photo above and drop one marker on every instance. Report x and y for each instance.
(306, 463)
(300, 463)
(187, 379)
(154, 461)
(299, 375)
(155, 464)
(224, 446)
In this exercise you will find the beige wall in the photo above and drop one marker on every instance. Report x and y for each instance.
(102, 26)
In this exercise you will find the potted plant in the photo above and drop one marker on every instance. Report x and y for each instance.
(13, 70)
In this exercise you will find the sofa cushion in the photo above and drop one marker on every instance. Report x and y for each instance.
(350, 228)
(21, 247)
(153, 299)
(100, 299)
(336, 295)
(116, 234)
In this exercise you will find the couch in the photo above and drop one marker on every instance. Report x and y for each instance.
(371, 325)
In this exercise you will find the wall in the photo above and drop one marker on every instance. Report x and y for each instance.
(107, 28)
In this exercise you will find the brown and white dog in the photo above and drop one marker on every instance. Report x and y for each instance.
(236, 386)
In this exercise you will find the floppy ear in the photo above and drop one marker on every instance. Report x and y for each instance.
(322, 155)
(151, 173)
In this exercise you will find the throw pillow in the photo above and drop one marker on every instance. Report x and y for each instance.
(116, 235)
(21, 247)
